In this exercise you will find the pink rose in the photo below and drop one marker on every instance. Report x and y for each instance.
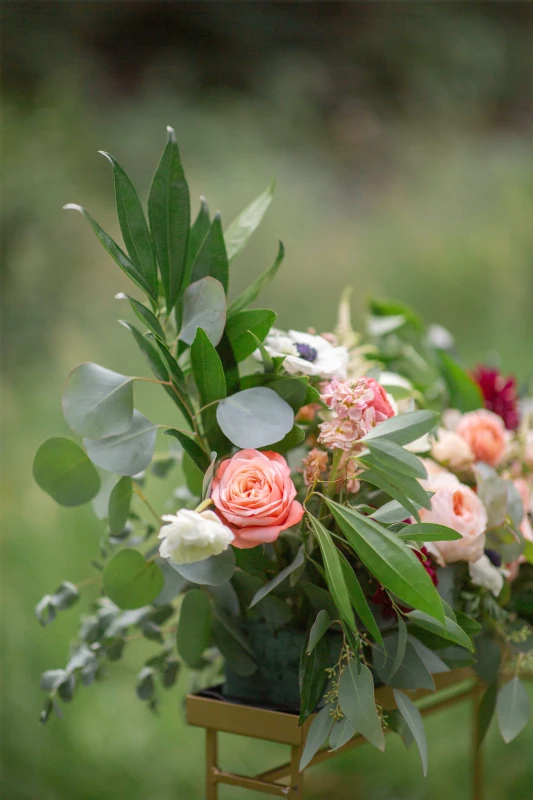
(459, 508)
(381, 403)
(484, 432)
(524, 490)
(452, 450)
(254, 495)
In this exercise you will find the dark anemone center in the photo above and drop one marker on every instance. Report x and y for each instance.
(307, 352)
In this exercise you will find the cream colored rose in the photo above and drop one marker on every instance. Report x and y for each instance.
(452, 451)
(188, 536)
(459, 508)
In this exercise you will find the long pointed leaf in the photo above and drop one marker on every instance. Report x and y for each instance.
(248, 295)
(356, 699)
(334, 575)
(212, 260)
(239, 232)
(359, 600)
(413, 718)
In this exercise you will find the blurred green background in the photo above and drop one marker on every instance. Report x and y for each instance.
(400, 137)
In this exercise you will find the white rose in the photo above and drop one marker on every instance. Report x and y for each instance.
(306, 354)
(452, 450)
(189, 536)
(484, 573)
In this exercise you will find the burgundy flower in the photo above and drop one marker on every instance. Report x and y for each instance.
(381, 597)
(499, 394)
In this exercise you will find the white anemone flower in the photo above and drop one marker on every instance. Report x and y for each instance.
(306, 354)
(189, 536)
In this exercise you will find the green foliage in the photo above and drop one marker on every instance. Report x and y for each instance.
(98, 402)
(279, 578)
(130, 581)
(211, 383)
(249, 294)
(63, 471)
(513, 709)
(126, 453)
(194, 627)
(255, 417)
(334, 573)
(356, 699)
(211, 259)
(241, 229)
(245, 327)
(65, 596)
(204, 306)
(414, 722)
(119, 505)
(317, 735)
(312, 677)
(318, 629)
(212, 571)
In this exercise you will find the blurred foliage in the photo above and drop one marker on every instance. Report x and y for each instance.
(400, 139)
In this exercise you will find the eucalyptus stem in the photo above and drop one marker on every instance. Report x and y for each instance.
(141, 495)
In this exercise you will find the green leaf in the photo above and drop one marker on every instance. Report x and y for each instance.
(392, 455)
(412, 672)
(169, 214)
(255, 418)
(433, 663)
(239, 232)
(208, 477)
(513, 709)
(232, 644)
(312, 676)
(118, 255)
(119, 505)
(133, 224)
(400, 651)
(356, 699)
(210, 380)
(389, 513)
(448, 630)
(144, 315)
(248, 295)
(191, 447)
(341, 733)
(486, 709)
(413, 718)
(317, 735)
(292, 390)
(279, 578)
(404, 428)
(197, 234)
(428, 532)
(212, 260)
(241, 326)
(407, 486)
(334, 572)
(204, 306)
(212, 571)
(63, 470)
(464, 393)
(318, 629)
(389, 560)
(194, 476)
(358, 599)
(145, 684)
(127, 453)
(194, 627)
(292, 439)
(150, 353)
(492, 491)
(130, 581)
(383, 307)
(98, 402)
(382, 483)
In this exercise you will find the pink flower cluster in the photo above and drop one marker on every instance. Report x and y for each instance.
(359, 405)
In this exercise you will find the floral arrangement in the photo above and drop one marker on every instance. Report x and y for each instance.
(363, 502)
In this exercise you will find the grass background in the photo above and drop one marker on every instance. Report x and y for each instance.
(420, 189)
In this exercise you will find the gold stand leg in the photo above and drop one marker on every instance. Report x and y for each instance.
(211, 764)
(297, 777)
(477, 756)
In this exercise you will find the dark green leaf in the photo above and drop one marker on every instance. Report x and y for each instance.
(133, 225)
(448, 630)
(204, 306)
(197, 234)
(318, 629)
(401, 645)
(243, 324)
(279, 578)
(239, 232)
(313, 667)
(118, 255)
(464, 392)
(129, 452)
(194, 627)
(389, 513)
(389, 560)
(404, 428)
(211, 383)
(191, 447)
(392, 455)
(334, 573)
(130, 581)
(292, 390)
(248, 295)
(169, 213)
(255, 418)
(413, 719)
(356, 699)
(63, 470)
(295, 437)
(145, 685)
(149, 351)
(144, 315)
(378, 480)
(212, 259)
(428, 532)
(98, 402)
(358, 599)
(404, 484)
(208, 477)
(119, 505)
(233, 645)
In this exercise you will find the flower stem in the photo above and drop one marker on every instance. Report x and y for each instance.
(140, 494)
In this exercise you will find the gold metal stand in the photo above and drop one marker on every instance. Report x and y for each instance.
(274, 726)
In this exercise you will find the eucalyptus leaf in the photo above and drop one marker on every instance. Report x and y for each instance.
(204, 306)
(127, 453)
(194, 627)
(130, 581)
(255, 418)
(356, 699)
(133, 224)
(169, 214)
(249, 294)
(233, 644)
(318, 629)
(241, 229)
(119, 505)
(118, 255)
(341, 733)
(449, 630)
(98, 402)
(404, 428)
(412, 672)
(62, 469)
(212, 571)
(513, 709)
(414, 721)
(317, 735)
(393, 563)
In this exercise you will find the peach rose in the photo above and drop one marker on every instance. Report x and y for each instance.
(459, 508)
(484, 432)
(254, 495)
(452, 450)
